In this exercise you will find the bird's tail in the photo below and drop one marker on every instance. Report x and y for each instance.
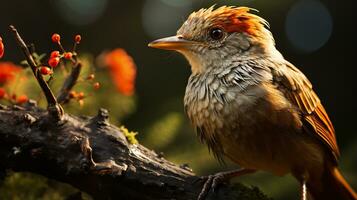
(332, 186)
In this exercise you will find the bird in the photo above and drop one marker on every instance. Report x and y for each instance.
(252, 106)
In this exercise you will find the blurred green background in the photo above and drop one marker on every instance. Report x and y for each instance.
(316, 35)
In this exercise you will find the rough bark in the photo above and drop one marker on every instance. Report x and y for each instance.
(95, 157)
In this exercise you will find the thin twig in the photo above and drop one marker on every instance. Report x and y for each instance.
(68, 84)
(61, 47)
(74, 47)
(53, 107)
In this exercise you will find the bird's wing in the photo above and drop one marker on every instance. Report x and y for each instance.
(298, 89)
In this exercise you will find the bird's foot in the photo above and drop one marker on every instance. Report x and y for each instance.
(213, 181)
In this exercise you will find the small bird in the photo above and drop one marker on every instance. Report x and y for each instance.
(251, 105)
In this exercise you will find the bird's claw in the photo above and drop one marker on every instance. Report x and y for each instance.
(217, 180)
(212, 182)
(206, 188)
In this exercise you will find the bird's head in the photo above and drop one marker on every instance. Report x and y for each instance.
(212, 37)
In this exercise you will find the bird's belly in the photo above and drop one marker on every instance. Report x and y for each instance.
(254, 152)
(280, 154)
(268, 136)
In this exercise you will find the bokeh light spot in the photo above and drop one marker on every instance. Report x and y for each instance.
(308, 25)
(80, 12)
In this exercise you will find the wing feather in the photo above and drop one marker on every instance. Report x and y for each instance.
(298, 89)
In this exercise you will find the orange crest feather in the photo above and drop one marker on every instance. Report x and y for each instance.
(235, 19)
(240, 20)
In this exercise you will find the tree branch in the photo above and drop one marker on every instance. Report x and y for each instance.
(94, 156)
(69, 83)
(53, 107)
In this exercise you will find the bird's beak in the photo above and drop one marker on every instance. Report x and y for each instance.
(171, 43)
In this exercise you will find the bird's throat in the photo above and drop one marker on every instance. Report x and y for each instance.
(196, 62)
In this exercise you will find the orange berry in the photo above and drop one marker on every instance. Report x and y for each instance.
(55, 54)
(90, 77)
(80, 95)
(1, 48)
(72, 94)
(22, 99)
(96, 85)
(45, 70)
(68, 55)
(56, 38)
(53, 62)
(2, 93)
(77, 39)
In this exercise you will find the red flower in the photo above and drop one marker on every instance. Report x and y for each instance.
(1, 48)
(8, 70)
(56, 38)
(77, 38)
(55, 54)
(68, 55)
(45, 70)
(122, 69)
(53, 62)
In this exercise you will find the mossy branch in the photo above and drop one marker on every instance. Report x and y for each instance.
(96, 157)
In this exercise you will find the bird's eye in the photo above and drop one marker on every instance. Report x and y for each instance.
(216, 33)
